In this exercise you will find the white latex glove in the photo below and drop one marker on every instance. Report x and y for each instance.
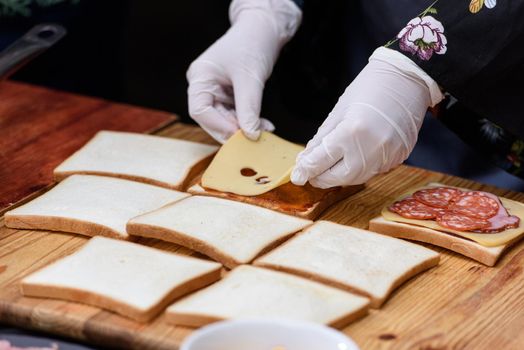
(226, 82)
(374, 125)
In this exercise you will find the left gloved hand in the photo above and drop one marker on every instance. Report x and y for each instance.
(374, 125)
(226, 82)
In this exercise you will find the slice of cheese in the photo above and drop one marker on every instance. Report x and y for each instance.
(250, 168)
(485, 239)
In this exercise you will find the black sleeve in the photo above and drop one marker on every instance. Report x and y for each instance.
(474, 50)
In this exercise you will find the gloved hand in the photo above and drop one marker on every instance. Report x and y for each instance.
(374, 125)
(226, 82)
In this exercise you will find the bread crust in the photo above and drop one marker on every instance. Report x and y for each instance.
(62, 224)
(201, 319)
(135, 228)
(197, 320)
(311, 213)
(190, 174)
(107, 303)
(485, 255)
(376, 302)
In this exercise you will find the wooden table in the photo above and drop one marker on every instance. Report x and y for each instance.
(41, 127)
(458, 305)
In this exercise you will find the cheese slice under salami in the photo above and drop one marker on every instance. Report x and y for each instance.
(502, 227)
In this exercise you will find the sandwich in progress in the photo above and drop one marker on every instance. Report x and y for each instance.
(477, 224)
(257, 172)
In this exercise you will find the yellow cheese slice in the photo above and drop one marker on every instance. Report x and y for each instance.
(485, 239)
(250, 168)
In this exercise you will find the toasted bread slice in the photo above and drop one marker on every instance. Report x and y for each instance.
(230, 232)
(127, 278)
(353, 259)
(249, 291)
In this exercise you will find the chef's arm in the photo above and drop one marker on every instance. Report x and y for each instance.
(450, 46)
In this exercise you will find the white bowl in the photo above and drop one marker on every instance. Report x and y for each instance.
(267, 334)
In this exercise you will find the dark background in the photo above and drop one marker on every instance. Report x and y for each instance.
(137, 52)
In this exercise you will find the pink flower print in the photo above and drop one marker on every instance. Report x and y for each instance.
(423, 36)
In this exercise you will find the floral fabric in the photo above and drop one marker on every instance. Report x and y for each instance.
(474, 50)
(423, 36)
(476, 5)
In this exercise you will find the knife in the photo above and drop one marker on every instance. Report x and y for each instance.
(31, 44)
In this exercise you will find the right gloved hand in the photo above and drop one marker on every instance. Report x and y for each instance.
(226, 82)
(374, 125)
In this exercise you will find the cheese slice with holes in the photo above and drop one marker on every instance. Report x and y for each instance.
(250, 168)
(485, 239)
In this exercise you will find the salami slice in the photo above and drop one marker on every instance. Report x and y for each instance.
(500, 223)
(410, 208)
(475, 204)
(439, 197)
(460, 222)
(502, 220)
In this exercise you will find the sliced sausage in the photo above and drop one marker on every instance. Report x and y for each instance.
(459, 222)
(410, 208)
(439, 197)
(475, 204)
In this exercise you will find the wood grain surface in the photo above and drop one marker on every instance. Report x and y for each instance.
(458, 305)
(42, 127)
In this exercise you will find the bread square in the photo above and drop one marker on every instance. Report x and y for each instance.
(127, 278)
(230, 232)
(350, 258)
(249, 291)
(90, 205)
(156, 160)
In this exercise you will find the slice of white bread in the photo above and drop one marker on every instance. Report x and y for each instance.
(127, 278)
(156, 160)
(249, 291)
(91, 205)
(230, 232)
(305, 201)
(485, 255)
(353, 259)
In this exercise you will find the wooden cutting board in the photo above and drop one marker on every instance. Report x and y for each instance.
(458, 305)
(42, 127)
